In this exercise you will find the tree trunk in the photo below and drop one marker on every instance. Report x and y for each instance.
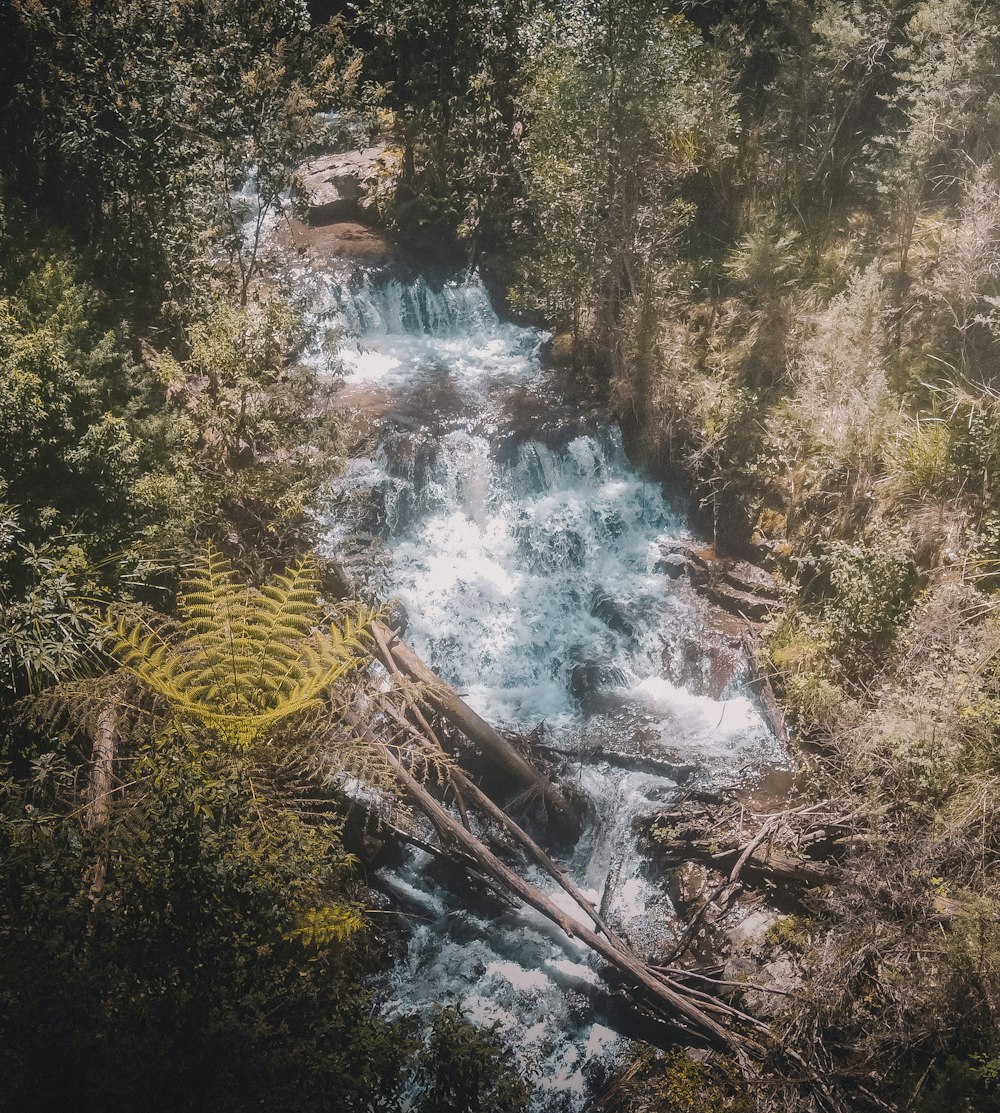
(676, 998)
(472, 725)
(97, 809)
(98, 806)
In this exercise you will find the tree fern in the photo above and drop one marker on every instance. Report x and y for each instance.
(243, 659)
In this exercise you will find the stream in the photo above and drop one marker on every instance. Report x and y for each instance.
(510, 526)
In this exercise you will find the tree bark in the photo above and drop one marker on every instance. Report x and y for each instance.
(476, 795)
(101, 784)
(97, 809)
(769, 862)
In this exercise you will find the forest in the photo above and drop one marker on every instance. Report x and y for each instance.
(762, 238)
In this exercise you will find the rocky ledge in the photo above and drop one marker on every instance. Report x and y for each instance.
(739, 587)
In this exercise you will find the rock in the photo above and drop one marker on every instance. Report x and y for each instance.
(613, 614)
(672, 566)
(754, 607)
(737, 586)
(560, 350)
(327, 243)
(337, 187)
(744, 576)
(399, 619)
(692, 885)
(592, 675)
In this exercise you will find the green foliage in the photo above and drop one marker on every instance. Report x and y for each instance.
(250, 435)
(616, 119)
(765, 258)
(869, 592)
(186, 984)
(130, 121)
(464, 1069)
(675, 1082)
(46, 599)
(70, 455)
(448, 76)
(243, 660)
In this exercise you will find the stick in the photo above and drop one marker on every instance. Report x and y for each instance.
(478, 797)
(675, 997)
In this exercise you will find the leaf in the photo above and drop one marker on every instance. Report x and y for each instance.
(243, 659)
(318, 927)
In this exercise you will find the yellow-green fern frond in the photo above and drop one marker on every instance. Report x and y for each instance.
(318, 927)
(243, 659)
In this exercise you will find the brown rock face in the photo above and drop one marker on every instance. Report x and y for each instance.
(339, 240)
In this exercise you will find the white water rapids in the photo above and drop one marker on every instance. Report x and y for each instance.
(525, 550)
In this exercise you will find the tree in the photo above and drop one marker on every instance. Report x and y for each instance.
(131, 123)
(244, 660)
(615, 123)
(450, 75)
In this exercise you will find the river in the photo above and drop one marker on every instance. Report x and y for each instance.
(525, 547)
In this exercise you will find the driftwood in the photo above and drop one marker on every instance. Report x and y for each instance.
(462, 786)
(774, 851)
(471, 791)
(765, 861)
(472, 725)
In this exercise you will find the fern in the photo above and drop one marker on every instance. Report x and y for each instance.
(333, 923)
(243, 659)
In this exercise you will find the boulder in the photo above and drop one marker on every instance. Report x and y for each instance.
(737, 586)
(593, 675)
(611, 612)
(338, 187)
(672, 566)
(751, 578)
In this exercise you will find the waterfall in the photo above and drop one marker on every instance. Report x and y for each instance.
(528, 567)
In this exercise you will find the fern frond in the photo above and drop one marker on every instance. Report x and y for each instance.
(318, 927)
(244, 659)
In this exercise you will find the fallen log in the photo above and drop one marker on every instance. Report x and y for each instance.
(764, 861)
(473, 726)
(694, 1006)
(476, 795)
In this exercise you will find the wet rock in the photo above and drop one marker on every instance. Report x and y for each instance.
(398, 618)
(611, 612)
(560, 350)
(337, 187)
(330, 244)
(703, 664)
(754, 607)
(672, 566)
(737, 586)
(750, 578)
(691, 885)
(590, 676)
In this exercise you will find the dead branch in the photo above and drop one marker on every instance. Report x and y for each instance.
(691, 1004)
(472, 725)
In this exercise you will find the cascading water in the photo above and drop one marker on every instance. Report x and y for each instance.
(526, 557)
